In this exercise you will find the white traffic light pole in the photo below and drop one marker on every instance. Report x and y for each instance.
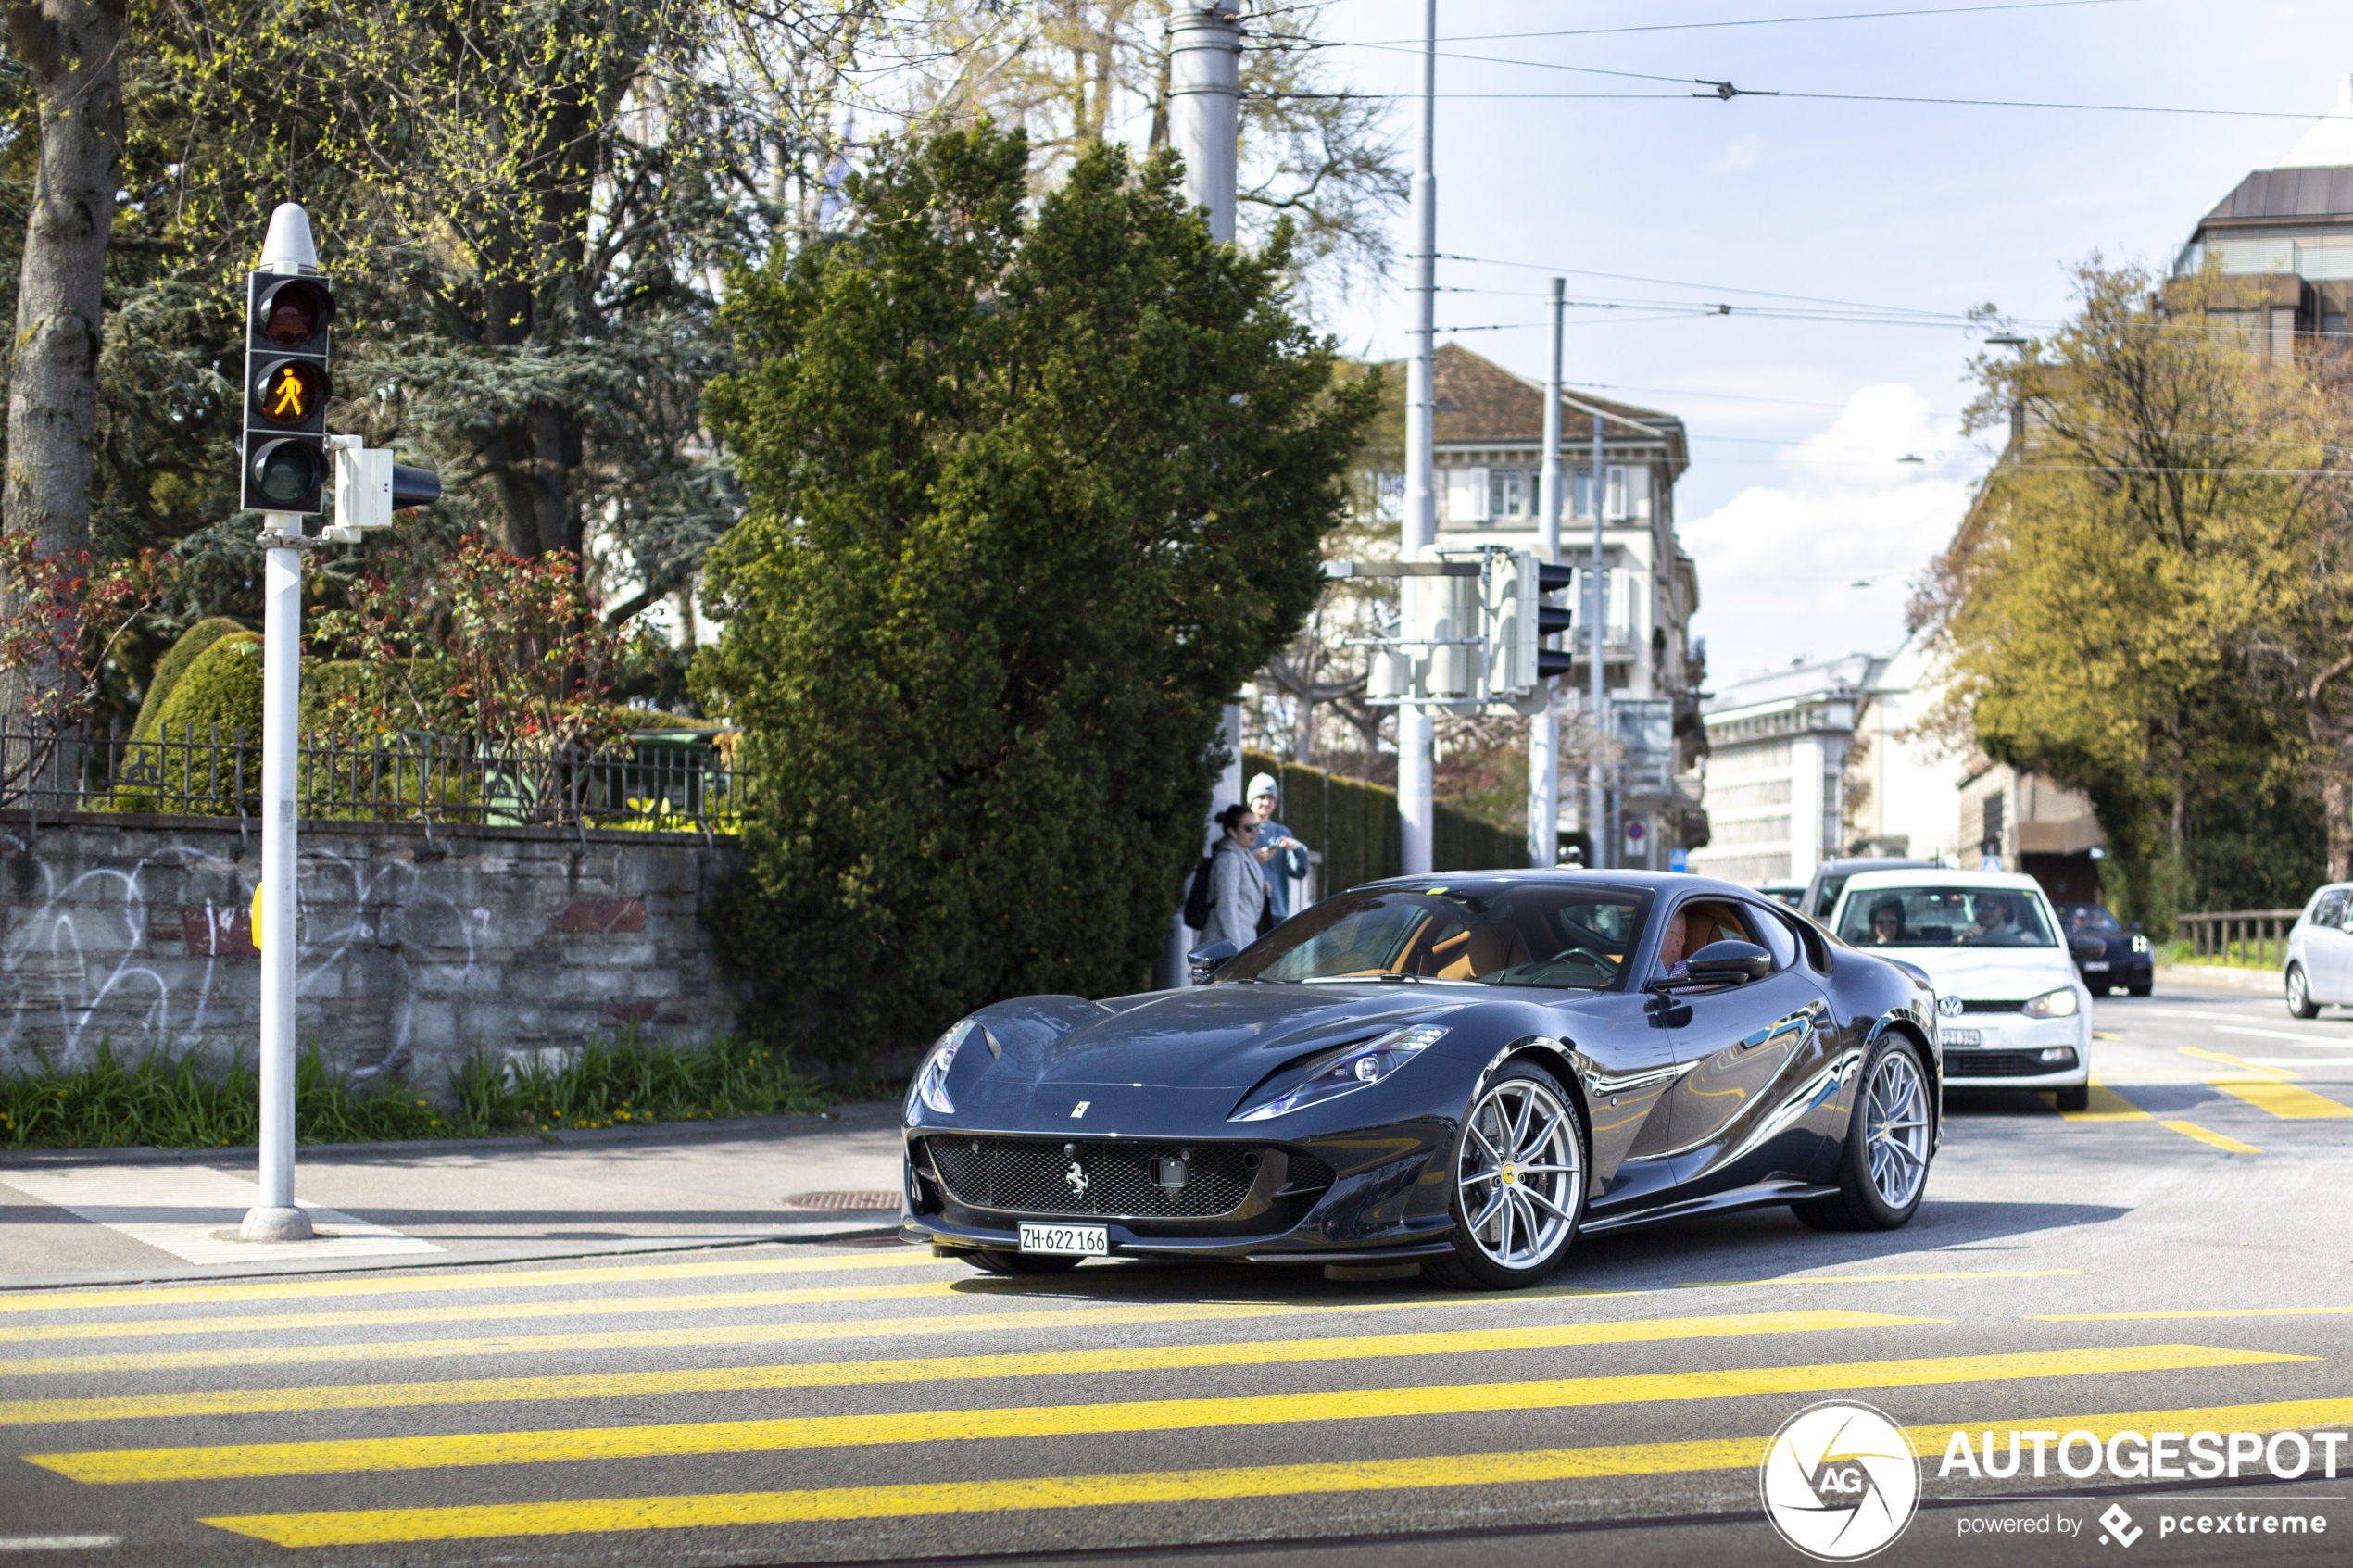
(276, 1218)
(1544, 730)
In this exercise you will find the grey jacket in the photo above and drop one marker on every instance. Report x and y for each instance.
(1285, 865)
(1236, 895)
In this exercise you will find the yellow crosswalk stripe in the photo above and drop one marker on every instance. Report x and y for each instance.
(878, 1326)
(2288, 1102)
(936, 1369)
(2106, 1105)
(1876, 1279)
(376, 1455)
(486, 1279)
(937, 1499)
(2243, 1067)
(2207, 1136)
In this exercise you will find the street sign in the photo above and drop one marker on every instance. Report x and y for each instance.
(1679, 860)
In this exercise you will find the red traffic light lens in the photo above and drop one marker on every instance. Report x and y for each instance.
(289, 393)
(287, 472)
(291, 313)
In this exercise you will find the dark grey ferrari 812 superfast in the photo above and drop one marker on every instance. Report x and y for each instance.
(1460, 1073)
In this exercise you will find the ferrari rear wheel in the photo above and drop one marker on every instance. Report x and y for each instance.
(1519, 1184)
(994, 1262)
(1883, 1169)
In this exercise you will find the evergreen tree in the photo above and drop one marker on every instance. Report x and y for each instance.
(1028, 503)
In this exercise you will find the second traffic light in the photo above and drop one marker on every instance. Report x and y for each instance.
(284, 458)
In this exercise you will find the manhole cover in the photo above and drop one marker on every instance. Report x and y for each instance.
(842, 1200)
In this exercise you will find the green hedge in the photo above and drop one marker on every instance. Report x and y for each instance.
(1355, 826)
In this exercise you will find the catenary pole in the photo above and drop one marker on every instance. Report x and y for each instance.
(1598, 829)
(1414, 812)
(1544, 729)
(1204, 115)
(288, 248)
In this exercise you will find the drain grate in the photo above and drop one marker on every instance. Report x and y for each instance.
(842, 1200)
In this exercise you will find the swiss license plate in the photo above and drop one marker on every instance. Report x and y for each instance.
(1950, 1036)
(2101, 965)
(1074, 1241)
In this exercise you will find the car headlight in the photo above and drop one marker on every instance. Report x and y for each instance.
(930, 1086)
(2140, 944)
(1341, 1071)
(2052, 1004)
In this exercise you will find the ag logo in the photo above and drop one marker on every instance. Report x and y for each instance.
(1840, 1481)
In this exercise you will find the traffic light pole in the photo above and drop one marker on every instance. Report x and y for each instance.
(1605, 852)
(1415, 809)
(1544, 729)
(277, 1218)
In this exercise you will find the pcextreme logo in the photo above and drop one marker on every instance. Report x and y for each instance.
(1840, 1481)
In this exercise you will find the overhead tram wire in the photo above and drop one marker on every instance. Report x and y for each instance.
(1761, 21)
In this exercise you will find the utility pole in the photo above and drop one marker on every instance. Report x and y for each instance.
(1544, 729)
(1415, 810)
(1596, 612)
(1205, 123)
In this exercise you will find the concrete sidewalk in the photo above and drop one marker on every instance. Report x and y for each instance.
(103, 1216)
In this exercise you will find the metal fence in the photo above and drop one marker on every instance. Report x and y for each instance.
(657, 781)
(2248, 935)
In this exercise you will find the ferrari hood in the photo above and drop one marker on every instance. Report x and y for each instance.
(1223, 1037)
(1991, 973)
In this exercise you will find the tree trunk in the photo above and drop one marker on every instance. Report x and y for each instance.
(2336, 808)
(71, 48)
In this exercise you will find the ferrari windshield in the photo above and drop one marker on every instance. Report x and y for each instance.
(1944, 917)
(1571, 937)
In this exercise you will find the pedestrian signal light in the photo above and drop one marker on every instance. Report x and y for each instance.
(292, 394)
(288, 309)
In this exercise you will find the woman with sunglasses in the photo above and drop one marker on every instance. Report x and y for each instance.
(1238, 907)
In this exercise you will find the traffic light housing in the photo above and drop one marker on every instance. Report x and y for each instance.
(1517, 623)
(282, 462)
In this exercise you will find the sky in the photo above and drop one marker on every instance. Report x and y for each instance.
(1806, 525)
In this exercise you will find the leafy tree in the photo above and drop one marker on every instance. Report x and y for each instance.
(2149, 600)
(1028, 501)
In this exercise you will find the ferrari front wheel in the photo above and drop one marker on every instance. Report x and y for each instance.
(1519, 1183)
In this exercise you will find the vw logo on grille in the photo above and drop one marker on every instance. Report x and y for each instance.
(1949, 1005)
(1076, 1177)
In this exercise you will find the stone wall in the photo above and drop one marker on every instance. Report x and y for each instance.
(414, 949)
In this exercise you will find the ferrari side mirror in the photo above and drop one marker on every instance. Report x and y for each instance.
(1730, 962)
(1206, 961)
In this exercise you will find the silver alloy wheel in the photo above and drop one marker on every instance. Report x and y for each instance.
(1519, 1173)
(1895, 1128)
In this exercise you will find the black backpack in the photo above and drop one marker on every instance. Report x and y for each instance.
(1196, 896)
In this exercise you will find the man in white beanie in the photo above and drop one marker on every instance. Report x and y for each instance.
(1281, 856)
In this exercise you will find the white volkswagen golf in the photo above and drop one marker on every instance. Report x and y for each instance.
(2011, 1010)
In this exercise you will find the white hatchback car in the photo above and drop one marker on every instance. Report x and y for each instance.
(2011, 1010)
(2319, 971)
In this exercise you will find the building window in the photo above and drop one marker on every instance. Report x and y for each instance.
(1510, 494)
(1990, 844)
(1615, 498)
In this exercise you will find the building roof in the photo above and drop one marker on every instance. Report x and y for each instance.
(2329, 144)
(1479, 402)
(1830, 677)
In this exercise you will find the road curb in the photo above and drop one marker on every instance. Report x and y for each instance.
(807, 1230)
(2214, 977)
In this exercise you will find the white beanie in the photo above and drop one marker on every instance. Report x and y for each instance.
(1260, 784)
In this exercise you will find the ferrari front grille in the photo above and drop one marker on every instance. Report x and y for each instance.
(1099, 1180)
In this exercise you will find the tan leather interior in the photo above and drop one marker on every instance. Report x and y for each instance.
(1705, 922)
(1478, 949)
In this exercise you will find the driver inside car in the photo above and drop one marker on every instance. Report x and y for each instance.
(1671, 942)
(1991, 927)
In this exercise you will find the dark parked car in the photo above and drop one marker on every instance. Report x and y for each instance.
(2108, 952)
(1458, 1073)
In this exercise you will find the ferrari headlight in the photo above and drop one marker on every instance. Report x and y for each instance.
(1341, 1071)
(930, 1086)
(2140, 943)
(2052, 1004)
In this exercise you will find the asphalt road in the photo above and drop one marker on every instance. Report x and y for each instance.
(2179, 1257)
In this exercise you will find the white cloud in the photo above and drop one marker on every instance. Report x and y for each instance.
(1740, 152)
(1778, 563)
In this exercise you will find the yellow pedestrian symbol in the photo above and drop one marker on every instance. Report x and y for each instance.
(288, 405)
